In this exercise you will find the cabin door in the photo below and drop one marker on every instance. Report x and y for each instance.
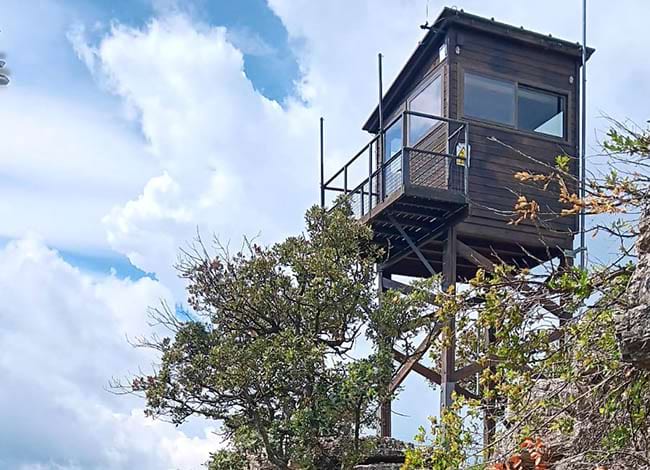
(393, 143)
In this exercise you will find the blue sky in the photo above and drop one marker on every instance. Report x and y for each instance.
(131, 124)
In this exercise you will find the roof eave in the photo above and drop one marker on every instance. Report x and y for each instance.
(450, 16)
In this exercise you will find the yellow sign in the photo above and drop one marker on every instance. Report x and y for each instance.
(461, 154)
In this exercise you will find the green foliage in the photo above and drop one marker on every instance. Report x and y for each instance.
(227, 459)
(553, 365)
(450, 441)
(562, 163)
(266, 351)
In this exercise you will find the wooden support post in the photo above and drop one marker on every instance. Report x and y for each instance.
(385, 418)
(489, 405)
(566, 263)
(449, 251)
(489, 337)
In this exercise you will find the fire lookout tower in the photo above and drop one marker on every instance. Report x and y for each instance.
(437, 183)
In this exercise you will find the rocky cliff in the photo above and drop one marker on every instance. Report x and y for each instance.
(633, 325)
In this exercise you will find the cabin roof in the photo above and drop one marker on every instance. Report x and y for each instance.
(438, 32)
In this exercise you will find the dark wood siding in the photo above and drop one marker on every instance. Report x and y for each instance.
(493, 190)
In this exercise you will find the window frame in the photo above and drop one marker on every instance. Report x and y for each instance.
(564, 94)
(565, 110)
(426, 81)
(515, 101)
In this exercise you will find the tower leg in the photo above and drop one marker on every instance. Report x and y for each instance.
(385, 418)
(385, 424)
(489, 405)
(449, 252)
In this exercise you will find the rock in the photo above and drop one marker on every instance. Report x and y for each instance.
(388, 454)
(633, 325)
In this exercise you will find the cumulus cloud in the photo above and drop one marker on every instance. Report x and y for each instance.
(232, 160)
(193, 144)
(63, 335)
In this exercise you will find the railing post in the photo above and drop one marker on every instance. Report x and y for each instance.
(406, 164)
(467, 157)
(380, 162)
(380, 143)
(369, 179)
(322, 167)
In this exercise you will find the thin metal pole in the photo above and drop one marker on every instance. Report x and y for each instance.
(370, 179)
(583, 138)
(381, 95)
(322, 167)
(380, 110)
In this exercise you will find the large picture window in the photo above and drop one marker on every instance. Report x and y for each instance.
(519, 106)
(427, 101)
(489, 99)
(540, 111)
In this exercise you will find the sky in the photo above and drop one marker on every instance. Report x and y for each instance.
(130, 125)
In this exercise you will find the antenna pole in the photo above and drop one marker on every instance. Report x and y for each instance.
(322, 167)
(381, 95)
(380, 148)
(583, 138)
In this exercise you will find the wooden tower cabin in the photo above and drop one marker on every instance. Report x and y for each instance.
(476, 99)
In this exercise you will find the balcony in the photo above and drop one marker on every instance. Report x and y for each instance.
(409, 182)
(431, 165)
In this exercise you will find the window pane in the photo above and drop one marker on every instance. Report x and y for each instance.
(486, 98)
(392, 172)
(393, 139)
(541, 112)
(428, 101)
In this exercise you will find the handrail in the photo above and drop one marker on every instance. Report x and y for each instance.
(377, 177)
(351, 160)
(434, 117)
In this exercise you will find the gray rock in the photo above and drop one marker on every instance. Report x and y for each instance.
(633, 325)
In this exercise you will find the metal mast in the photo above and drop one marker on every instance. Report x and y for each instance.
(583, 137)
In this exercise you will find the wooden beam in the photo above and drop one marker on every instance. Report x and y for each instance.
(385, 416)
(433, 376)
(424, 371)
(396, 285)
(470, 254)
(412, 245)
(467, 371)
(448, 365)
(414, 358)
(482, 261)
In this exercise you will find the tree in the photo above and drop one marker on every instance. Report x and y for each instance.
(553, 373)
(266, 347)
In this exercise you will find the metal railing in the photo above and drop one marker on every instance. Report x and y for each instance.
(418, 164)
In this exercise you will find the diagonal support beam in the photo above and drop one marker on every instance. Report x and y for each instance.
(414, 359)
(398, 286)
(470, 254)
(450, 219)
(412, 245)
(432, 375)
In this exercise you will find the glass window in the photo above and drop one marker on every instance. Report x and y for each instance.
(540, 111)
(489, 99)
(392, 178)
(428, 101)
(393, 139)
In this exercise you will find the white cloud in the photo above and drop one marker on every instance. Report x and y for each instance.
(63, 166)
(194, 145)
(63, 338)
(234, 162)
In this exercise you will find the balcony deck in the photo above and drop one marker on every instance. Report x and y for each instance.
(412, 195)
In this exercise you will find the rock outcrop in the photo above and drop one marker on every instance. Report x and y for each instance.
(633, 325)
(388, 455)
